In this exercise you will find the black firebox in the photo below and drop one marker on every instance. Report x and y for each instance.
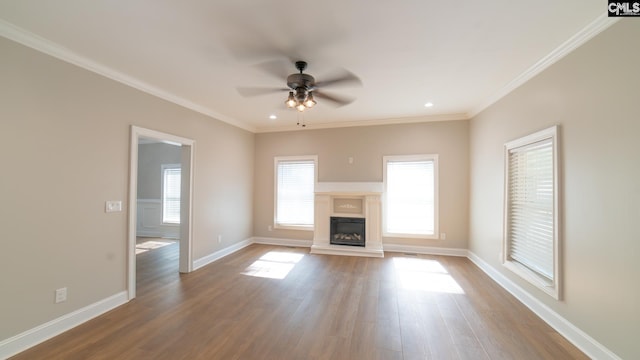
(347, 231)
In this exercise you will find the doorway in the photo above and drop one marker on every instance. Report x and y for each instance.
(185, 164)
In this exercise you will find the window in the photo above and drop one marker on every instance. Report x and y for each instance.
(294, 194)
(411, 196)
(531, 209)
(171, 194)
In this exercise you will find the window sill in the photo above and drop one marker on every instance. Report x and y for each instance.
(411, 236)
(294, 227)
(547, 286)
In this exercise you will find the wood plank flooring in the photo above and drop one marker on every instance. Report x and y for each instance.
(267, 302)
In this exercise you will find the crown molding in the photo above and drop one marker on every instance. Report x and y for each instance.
(390, 121)
(594, 28)
(43, 45)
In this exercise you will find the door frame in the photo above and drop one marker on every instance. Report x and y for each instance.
(187, 157)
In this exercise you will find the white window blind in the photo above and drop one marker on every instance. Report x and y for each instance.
(295, 186)
(410, 196)
(531, 207)
(171, 195)
(531, 242)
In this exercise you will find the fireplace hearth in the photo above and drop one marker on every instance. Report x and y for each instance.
(347, 231)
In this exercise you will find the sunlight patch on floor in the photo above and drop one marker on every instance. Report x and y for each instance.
(425, 275)
(151, 245)
(273, 265)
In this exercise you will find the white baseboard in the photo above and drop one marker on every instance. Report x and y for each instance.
(424, 250)
(577, 337)
(282, 242)
(46, 331)
(203, 261)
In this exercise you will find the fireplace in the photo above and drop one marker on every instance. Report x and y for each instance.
(347, 231)
(359, 206)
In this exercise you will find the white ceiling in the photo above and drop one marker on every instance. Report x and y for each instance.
(460, 55)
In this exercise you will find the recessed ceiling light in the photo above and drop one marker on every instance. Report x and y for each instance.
(272, 117)
(429, 104)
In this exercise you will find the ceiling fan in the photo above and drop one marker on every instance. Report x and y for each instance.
(304, 89)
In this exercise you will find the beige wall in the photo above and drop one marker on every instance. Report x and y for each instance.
(593, 95)
(367, 146)
(64, 148)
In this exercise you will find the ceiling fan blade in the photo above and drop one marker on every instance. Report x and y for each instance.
(336, 100)
(344, 78)
(257, 91)
(278, 68)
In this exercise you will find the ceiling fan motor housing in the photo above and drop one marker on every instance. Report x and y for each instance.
(305, 81)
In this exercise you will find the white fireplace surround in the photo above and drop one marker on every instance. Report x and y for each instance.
(370, 193)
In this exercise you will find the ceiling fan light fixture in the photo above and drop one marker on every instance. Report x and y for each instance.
(310, 101)
(291, 100)
(301, 94)
(300, 107)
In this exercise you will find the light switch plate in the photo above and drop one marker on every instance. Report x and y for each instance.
(113, 206)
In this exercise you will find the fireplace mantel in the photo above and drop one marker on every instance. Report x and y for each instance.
(370, 194)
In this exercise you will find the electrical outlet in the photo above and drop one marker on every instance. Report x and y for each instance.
(61, 295)
(270, 228)
(443, 236)
(219, 239)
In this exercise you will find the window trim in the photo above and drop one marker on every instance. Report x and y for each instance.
(278, 159)
(163, 168)
(436, 190)
(553, 287)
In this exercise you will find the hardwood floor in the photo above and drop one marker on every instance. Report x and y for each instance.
(267, 302)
